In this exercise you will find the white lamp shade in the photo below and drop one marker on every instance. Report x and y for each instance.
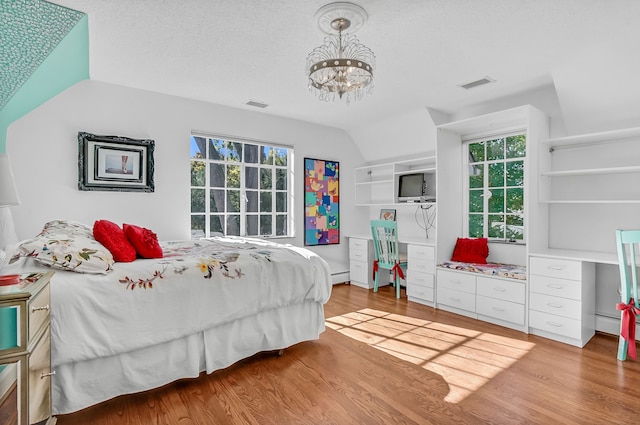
(8, 192)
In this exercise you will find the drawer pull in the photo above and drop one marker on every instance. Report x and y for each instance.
(455, 281)
(554, 305)
(455, 299)
(555, 267)
(45, 375)
(44, 307)
(499, 289)
(554, 286)
(555, 324)
(498, 309)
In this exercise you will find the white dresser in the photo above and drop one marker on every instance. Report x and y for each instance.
(361, 261)
(421, 271)
(562, 299)
(496, 300)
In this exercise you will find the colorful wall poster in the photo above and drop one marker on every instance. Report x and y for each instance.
(321, 202)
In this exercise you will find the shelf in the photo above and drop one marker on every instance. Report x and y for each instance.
(375, 182)
(590, 201)
(601, 137)
(574, 254)
(592, 171)
(416, 170)
(394, 204)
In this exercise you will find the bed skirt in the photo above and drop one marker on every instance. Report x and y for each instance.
(76, 386)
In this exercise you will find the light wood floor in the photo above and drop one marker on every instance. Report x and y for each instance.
(388, 361)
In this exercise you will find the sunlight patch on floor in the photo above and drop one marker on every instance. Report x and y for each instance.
(466, 359)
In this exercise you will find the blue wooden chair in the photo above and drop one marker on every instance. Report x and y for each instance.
(385, 243)
(628, 242)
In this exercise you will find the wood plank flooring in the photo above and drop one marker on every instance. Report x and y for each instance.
(389, 361)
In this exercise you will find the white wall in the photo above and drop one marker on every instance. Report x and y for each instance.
(403, 134)
(43, 148)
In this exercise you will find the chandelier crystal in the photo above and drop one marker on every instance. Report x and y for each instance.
(342, 66)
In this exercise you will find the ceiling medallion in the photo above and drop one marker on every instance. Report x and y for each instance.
(342, 66)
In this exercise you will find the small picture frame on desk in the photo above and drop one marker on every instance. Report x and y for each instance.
(387, 214)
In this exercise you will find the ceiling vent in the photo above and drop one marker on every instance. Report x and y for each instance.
(480, 82)
(256, 104)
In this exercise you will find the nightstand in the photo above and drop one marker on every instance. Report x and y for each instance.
(25, 351)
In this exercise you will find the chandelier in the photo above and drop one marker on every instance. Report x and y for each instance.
(342, 65)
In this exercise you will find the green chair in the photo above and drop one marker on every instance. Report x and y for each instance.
(385, 243)
(628, 242)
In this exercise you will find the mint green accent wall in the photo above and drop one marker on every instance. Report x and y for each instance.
(67, 64)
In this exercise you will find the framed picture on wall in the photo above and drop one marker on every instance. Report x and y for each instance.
(321, 202)
(115, 163)
(386, 214)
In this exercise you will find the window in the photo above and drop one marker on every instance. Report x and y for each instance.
(240, 188)
(495, 188)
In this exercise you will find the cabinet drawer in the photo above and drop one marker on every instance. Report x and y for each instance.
(420, 291)
(419, 278)
(457, 299)
(457, 281)
(501, 289)
(556, 305)
(358, 254)
(552, 267)
(359, 271)
(421, 258)
(564, 288)
(555, 324)
(355, 243)
(40, 380)
(500, 309)
(38, 311)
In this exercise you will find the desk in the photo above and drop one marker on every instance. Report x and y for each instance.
(420, 276)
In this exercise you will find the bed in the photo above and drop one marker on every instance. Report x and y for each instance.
(119, 328)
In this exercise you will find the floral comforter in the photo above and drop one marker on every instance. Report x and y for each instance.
(197, 285)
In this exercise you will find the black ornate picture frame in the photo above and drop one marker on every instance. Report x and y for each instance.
(115, 163)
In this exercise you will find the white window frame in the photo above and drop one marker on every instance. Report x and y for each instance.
(465, 179)
(243, 213)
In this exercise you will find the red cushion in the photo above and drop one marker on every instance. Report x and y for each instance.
(470, 250)
(143, 240)
(113, 238)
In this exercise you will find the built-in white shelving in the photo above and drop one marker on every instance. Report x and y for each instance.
(596, 168)
(377, 184)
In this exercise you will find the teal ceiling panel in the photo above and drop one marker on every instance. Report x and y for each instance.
(30, 31)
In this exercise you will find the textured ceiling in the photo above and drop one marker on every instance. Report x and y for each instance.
(230, 52)
(31, 30)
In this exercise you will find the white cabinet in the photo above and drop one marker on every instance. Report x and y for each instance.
(378, 184)
(562, 299)
(420, 273)
(456, 292)
(361, 262)
(501, 301)
(491, 299)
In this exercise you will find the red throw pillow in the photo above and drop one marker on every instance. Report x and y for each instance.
(143, 240)
(113, 238)
(470, 250)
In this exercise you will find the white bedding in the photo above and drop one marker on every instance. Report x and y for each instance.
(178, 306)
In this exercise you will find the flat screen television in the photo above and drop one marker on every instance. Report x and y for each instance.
(411, 187)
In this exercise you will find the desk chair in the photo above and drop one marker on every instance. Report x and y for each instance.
(385, 243)
(627, 242)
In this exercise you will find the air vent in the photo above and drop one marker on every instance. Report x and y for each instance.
(480, 82)
(256, 104)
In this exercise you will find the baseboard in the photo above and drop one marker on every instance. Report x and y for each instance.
(340, 277)
(611, 325)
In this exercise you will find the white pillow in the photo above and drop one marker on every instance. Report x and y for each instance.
(71, 252)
